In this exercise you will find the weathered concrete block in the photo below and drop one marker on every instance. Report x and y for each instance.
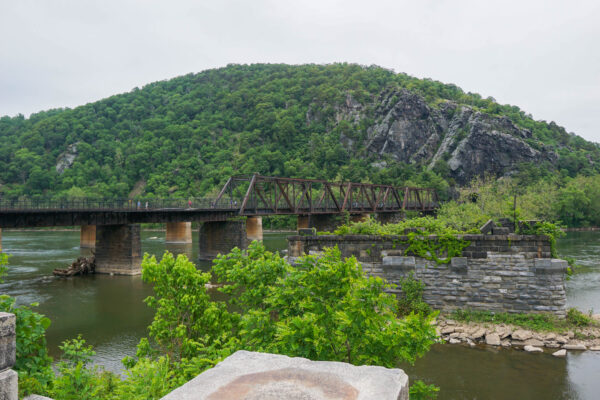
(247, 375)
(459, 264)
(7, 341)
(398, 262)
(36, 397)
(487, 227)
(9, 385)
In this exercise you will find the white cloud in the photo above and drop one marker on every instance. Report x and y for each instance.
(539, 55)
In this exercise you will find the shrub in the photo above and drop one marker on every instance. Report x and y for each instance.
(577, 318)
(411, 300)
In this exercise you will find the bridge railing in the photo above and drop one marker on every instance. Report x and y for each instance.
(253, 205)
(114, 204)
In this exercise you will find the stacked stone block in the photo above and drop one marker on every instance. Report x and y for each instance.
(8, 377)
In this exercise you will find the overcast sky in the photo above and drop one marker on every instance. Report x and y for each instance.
(543, 56)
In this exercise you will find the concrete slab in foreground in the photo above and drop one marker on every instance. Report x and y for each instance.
(252, 376)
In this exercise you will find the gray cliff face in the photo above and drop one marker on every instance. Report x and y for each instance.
(66, 159)
(472, 143)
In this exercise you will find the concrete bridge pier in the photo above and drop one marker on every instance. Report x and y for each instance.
(254, 229)
(118, 249)
(219, 237)
(179, 232)
(88, 236)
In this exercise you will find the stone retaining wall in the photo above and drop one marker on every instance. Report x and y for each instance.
(499, 273)
(8, 377)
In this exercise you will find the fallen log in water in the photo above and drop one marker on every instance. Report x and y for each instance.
(81, 266)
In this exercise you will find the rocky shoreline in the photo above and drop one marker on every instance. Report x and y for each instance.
(509, 336)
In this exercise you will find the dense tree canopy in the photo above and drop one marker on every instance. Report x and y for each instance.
(183, 137)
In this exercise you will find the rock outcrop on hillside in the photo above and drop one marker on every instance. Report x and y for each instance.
(471, 142)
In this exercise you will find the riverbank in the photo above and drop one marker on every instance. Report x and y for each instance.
(512, 336)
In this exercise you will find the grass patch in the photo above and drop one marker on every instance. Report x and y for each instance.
(535, 322)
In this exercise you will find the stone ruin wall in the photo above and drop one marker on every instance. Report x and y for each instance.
(498, 273)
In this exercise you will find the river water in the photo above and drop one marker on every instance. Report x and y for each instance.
(109, 313)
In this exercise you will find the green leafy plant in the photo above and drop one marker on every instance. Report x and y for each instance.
(186, 319)
(579, 319)
(3, 262)
(446, 244)
(324, 308)
(552, 231)
(411, 299)
(32, 360)
(537, 322)
(419, 390)
(77, 380)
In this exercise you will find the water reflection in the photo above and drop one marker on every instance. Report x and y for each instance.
(482, 373)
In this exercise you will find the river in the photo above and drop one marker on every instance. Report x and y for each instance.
(108, 311)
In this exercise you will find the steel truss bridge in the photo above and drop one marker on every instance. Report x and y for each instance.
(248, 195)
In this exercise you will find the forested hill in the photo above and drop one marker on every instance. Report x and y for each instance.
(183, 137)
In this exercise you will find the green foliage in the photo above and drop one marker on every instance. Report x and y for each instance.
(77, 380)
(535, 322)
(577, 318)
(33, 360)
(553, 231)
(573, 201)
(412, 297)
(446, 245)
(147, 380)
(187, 323)
(464, 217)
(419, 390)
(3, 262)
(323, 308)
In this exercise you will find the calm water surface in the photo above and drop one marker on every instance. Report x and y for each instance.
(109, 313)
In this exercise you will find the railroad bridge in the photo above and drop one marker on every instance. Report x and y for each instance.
(230, 219)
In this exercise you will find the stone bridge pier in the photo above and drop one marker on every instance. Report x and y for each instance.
(179, 232)
(220, 237)
(118, 249)
(88, 236)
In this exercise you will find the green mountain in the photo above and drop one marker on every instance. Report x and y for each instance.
(184, 136)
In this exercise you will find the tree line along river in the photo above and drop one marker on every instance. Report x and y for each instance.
(110, 314)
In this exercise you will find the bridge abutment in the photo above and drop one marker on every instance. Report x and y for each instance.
(179, 232)
(219, 237)
(88, 236)
(118, 249)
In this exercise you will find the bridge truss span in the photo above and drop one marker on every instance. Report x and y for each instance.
(266, 195)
